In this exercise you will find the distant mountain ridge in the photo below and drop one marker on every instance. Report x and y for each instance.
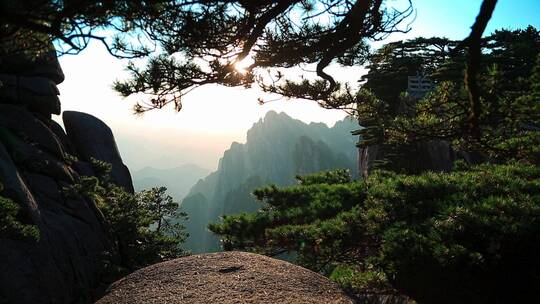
(177, 180)
(277, 149)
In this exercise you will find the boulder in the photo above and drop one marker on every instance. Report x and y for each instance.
(224, 277)
(29, 70)
(92, 138)
(65, 264)
(28, 54)
(418, 157)
(39, 94)
(27, 125)
(57, 129)
(31, 158)
(15, 188)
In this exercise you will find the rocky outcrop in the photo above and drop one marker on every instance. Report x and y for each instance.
(415, 158)
(39, 162)
(35, 170)
(225, 277)
(382, 299)
(94, 139)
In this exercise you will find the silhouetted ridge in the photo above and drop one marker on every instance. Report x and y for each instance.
(278, 147)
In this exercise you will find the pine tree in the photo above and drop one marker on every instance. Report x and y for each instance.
(466, 236)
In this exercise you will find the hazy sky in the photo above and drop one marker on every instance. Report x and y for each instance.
(212, 117)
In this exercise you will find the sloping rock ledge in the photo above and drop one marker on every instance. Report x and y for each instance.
(224, 277)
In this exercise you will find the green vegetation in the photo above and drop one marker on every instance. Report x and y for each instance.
(131, 220)
(139, 224)
(276, 149)
(470, 235)
(11, 226)
(200, 42)
(509, 97)
(466, 236)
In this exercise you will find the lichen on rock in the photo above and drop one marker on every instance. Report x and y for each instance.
(225, 277)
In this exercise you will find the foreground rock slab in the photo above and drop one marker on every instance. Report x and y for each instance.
(225, 277)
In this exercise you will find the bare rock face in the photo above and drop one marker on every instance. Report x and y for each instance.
(94, 139)
(225, 277)
(64, 264)
(38, 162)
(419, 157)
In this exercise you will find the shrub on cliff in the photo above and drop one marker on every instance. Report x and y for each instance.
(139, 224)
(11, 226)
(132, 220)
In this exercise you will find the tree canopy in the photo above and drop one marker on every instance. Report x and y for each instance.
(230, 42)
(470, 236)
(201, 42)
(508, 118)
(73, 24)
(463, 236)
(213, 38)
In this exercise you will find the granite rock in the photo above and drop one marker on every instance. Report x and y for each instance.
(225, 277)
(92, 138)
(65, 264)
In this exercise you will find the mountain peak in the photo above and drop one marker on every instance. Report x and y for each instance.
(273, 115)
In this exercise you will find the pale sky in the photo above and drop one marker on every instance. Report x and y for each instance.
(213, 117)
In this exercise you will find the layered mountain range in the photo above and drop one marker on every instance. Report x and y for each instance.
(277, 149)
(178, 180)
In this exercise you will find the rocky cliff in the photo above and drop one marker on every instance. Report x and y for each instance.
(277, 149)
(38, 162)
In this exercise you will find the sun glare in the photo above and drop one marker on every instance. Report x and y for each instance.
(242, 65)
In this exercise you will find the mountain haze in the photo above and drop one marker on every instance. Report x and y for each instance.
(277, 149)
(177, 180)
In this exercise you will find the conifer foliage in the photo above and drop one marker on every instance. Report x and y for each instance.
(470, 236)
(139, 224)
(11, 224)
(509, 102)
(191, 43)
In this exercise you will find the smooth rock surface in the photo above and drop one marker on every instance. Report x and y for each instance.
(64, 265)
(37, 169)
(92, 138)
(225, 277)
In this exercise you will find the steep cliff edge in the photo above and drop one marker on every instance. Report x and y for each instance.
(38, 162)
(277, 149)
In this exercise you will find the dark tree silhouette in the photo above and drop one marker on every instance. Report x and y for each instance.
(119, 25)
(213, 37)
(202, 41)
(473, 42)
